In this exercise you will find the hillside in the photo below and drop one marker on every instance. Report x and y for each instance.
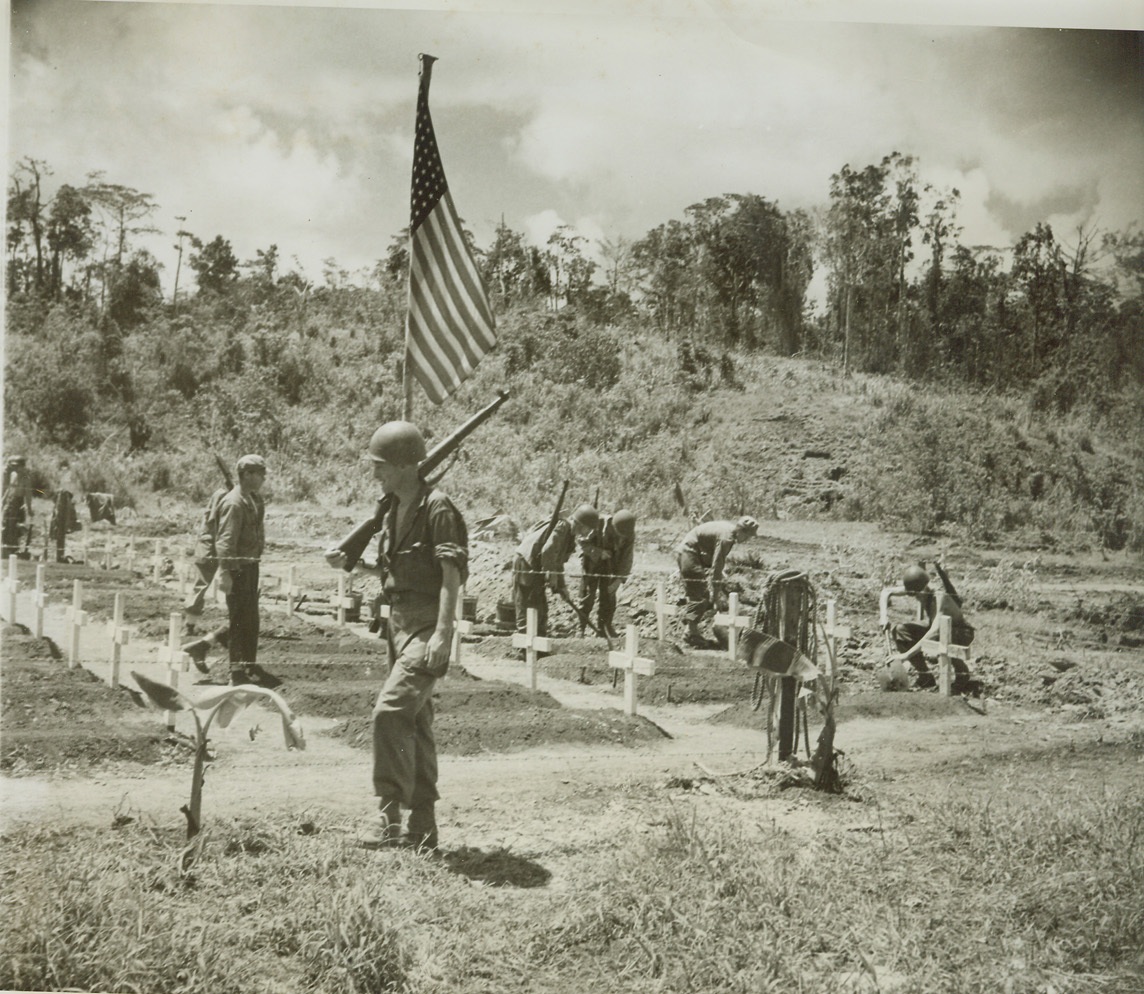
(640, 417)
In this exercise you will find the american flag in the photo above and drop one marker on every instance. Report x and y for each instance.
(450, 324)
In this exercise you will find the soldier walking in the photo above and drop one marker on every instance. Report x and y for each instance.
(423, 560)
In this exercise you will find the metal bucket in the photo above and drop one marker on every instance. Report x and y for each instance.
(506, 615)
(468, 609)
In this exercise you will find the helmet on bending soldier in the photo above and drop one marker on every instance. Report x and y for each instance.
(397, 442)
(915, 579)
(625, 523)
(586, 516)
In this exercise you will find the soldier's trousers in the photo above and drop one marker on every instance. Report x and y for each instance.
(404, 749)
(694, 576)
(242, 607)
(591, 585)
(907, 633)
(528, 590)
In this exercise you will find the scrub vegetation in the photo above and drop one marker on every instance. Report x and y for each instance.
(934, 387)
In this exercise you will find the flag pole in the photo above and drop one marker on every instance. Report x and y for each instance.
(424, 77)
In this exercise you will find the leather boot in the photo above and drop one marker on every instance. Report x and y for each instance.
(385, 832)
(421, 833)
(198, 650)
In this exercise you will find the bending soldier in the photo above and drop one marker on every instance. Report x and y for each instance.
(539, 563)
(606, 562)
(423, 559)
(934, 605)
(702, 559)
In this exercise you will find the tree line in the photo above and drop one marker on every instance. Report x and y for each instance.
(903, 295)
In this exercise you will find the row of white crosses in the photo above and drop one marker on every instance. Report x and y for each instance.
(628, 661)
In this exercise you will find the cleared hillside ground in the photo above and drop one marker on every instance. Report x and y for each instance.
(984, 849)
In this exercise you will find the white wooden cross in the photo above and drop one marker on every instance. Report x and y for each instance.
(120, 636)
(77, 618)
(946, 651)
(461, 627)
(531, 643)
(40, 600)
(12, 588)
(157, 562)
(175, 658)
(292, 590)
(630, 662)
(131, 556)
(734, 621)
(347, 600)
(172, 653)
(663, 610)
(835, 633)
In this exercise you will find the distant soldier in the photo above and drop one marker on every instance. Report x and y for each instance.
(539, 563)
(702, 559)
(606, 561)
(63, 522)
(934, 605)
(17, 505)
(239, 542)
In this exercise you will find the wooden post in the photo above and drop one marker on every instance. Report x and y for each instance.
(834, 633)
(788, 685)
(77, 617)
(291, 590)
(173, 656)
(172, 653)
(40, 599)
(663, 610)
(120, 636)
(12, 588)
(946, 652)
(347, 600)
(734, 621)
(461, 627)
(531, 643)
(630, 662)
(131, 555)
(157, 563)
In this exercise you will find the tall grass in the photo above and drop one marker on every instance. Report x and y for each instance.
(1021, 886)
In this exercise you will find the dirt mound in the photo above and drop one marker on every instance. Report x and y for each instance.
(487, 716)
(54, 717)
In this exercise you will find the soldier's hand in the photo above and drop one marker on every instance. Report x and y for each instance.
(335, 557)
(439, 649)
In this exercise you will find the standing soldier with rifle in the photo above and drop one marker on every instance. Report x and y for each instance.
(17, 500)
(206, 558)
(423, 560)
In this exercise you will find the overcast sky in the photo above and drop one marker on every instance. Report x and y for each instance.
(293, 125)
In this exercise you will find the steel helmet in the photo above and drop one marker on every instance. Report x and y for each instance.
(625, 523)
(397, 442)
(915, 579)
(587, 516)
(747, 525)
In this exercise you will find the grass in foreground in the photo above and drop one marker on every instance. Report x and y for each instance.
(1020, 892)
